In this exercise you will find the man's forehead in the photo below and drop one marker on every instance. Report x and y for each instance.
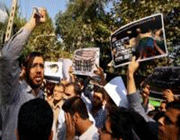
(38, 59)
(69, 87)
(57, 87)
(35, 59)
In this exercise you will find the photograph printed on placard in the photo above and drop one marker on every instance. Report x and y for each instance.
(85, 61)
(144, 39)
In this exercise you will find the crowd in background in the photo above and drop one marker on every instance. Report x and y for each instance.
(32, 108)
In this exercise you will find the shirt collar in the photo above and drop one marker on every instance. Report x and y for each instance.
(58, 105)
(29, 90)
(89, 132)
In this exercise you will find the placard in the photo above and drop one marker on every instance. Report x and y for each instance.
(53, 71)
(144, 39)
(66, 64)
(117, 91)
(85, 61)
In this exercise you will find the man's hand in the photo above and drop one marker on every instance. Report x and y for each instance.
(38, 16)
(168, 95)
(100, 72)
(132, 67)
(131, 87)
(70, 127)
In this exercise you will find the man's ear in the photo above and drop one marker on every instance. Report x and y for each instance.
(51, 135)
(76, 117)
(23, 72)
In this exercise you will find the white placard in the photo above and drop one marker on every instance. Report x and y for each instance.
(53, 71)
(117, 91)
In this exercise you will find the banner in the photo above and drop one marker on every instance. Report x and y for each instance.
(85, 61)
(144, 39)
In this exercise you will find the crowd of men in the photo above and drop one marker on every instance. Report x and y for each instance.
(69, 110)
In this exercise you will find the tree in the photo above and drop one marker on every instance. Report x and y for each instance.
(43, 39)
(17, 24)
(86, 24)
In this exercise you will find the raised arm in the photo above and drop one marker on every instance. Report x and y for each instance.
(132, 94)
(134, 98)
(13, 48)
(131, 87)
(9, 68)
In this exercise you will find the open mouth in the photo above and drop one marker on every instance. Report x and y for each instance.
(38, 79)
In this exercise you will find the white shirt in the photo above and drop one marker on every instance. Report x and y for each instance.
(61, 128)
(90, 134)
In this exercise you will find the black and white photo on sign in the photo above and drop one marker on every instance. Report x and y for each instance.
(144, 39)
(53, 71)
(85, 61)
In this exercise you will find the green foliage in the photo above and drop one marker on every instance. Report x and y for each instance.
(17, 24)
(19, 21)
(85, 24)
(44, 40)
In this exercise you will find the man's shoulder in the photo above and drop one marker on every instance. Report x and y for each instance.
(29, 92)
(90, 134)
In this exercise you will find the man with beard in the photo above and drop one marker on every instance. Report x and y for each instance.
(12, 92)
(34, 73)
(98, 106)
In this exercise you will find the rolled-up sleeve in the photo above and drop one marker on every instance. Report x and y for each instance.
(9, 67)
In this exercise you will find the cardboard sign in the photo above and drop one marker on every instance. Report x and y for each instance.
(53, 71)
(85, 61)
(117, 91)
(144, 39)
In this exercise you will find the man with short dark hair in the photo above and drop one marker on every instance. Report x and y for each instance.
(56, 104)
(12, 92)
(71, 90)
(122, 124)
(98, 110)
(35, 120)
(34, 73)
(77, 120)
(169, 125)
